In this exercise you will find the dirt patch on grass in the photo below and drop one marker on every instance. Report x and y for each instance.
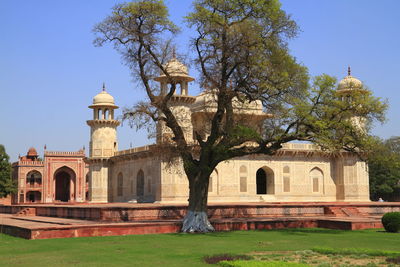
(214, 259)
(395, 260)
(312, 258)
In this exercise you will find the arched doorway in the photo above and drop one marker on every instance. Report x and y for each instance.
(33, 196)
(64, 180)
(317, 177)
(261, 182)
(140, 184)
(265, 181)
(120, 185)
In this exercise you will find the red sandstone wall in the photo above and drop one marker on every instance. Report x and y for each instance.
(5, 200)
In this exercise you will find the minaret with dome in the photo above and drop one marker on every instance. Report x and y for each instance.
(348, 86)
(180, 102)
(103, 144)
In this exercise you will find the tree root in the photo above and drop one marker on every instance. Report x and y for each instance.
(196, 222)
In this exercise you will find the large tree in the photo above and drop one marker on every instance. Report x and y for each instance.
(7, 186)
(241, 53)
(384, 169)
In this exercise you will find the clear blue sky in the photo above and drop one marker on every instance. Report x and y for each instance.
(50, 71)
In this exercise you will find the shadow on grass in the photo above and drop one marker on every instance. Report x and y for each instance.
(288, 231)
(304, 231)
(210, 234)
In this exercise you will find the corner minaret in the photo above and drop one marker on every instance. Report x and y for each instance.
(346, 88)
(180, 102)
(103, 144)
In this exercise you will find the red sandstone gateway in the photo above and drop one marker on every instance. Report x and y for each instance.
(59, 177)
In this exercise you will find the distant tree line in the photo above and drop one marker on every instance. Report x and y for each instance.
(7, 186)
(384, 170)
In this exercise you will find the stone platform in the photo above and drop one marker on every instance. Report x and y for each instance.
(60, 221)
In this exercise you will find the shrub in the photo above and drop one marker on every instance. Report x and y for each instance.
(225, 257)
(391, 222)
(395, 260)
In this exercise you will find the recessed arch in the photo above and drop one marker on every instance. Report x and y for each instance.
(243, 179)
(213, 181)
(243, 169)
(33, 196)
(120, 184)
(316, 178)
(286, 179)
(106, 114)
(140, 184)
(34, 178)
(64, 184)
(286, 169)
(265, 181)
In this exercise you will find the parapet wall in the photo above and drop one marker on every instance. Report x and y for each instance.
(126, 213)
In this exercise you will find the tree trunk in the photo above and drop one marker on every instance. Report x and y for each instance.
(196, 219)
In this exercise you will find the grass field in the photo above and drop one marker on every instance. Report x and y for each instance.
(181, 249)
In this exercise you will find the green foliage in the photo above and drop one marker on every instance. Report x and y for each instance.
(384, 169)
(241, 132)
(7, 186)
(391, 222)
(325, 118)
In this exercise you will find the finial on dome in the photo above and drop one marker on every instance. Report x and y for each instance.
(349, 71)
(174, 53)
(104, 86)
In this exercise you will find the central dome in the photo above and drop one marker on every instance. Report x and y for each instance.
(349, 83)
(103, 98)
(176, 70)
(175, 67)
(32, 152)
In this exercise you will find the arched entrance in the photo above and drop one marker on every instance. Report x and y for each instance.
(261, 182)
(33, 196)
(265, 181)
(64, 180)
(33, 179)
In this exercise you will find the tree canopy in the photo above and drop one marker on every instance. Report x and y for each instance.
(241, 51)
(384, 170)
(7, 186)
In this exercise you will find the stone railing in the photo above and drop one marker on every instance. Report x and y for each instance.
(288, 146)
(31, 163)
(80, 153)
(34, 186)
(300, 146)
(133, 150)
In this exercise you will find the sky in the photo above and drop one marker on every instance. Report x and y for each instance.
(50, 70)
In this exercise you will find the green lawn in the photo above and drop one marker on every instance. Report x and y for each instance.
(180, 249)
